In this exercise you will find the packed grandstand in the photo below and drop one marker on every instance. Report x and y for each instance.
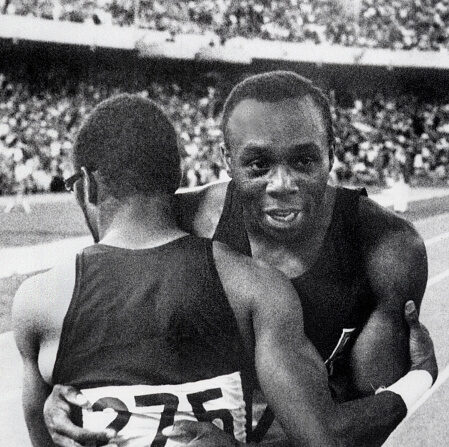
(395, 24)
(377, 134)
(373, 136)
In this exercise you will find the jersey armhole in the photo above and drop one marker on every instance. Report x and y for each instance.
(67, 325)
(215, 286)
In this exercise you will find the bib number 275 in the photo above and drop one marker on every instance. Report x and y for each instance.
(170, 404)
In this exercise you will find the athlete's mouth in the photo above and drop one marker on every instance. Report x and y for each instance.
(284, 215)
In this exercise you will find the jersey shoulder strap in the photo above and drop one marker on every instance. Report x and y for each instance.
(231, 226)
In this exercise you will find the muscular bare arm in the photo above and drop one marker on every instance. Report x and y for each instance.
(395, 263)
(291, 372)
(35, 390)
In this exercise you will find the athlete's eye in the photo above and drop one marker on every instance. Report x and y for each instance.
(259, 166)
(304, 161)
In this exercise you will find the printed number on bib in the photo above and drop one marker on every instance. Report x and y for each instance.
(139, 413)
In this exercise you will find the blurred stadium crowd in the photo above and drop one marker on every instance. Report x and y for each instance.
(376, 137)
(394, 24)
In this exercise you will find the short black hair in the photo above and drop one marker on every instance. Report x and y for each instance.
(274, 86)
(132, 144)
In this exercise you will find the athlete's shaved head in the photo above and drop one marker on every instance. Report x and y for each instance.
(132, 145)
(273, 87)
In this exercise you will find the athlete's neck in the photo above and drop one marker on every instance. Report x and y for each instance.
(295, 257)
(139, 222)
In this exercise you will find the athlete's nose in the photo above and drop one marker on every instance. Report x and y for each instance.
(282, 182)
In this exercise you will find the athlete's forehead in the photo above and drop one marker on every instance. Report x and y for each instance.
(289, 122)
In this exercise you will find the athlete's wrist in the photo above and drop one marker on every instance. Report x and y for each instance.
(411, 387)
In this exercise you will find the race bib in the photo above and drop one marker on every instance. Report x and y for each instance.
(139, 413)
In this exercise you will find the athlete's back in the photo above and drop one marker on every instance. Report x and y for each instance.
(150, 334)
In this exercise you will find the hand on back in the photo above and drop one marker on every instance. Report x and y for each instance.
(422, 353)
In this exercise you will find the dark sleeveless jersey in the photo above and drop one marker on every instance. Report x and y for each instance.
(150, 334)
(334, 292)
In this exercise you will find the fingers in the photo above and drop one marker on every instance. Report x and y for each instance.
(64, 432)
(65, 428)
(424, 329)
(199, 434)
(417, 329)
(422, 352)
(64, 441)
(57, 411)
(190, 433)
(182, 428)
(70, 395)
(411, 315)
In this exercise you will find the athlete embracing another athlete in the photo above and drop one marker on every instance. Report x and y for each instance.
(158, 326)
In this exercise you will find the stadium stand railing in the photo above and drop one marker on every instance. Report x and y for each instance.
(162, 44)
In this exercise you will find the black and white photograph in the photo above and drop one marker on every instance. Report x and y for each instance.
(224, 223)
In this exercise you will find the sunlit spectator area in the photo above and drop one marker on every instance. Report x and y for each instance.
(390, 101)
(398, 24)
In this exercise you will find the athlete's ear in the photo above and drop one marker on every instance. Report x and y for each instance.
(90, 186)
(226, 156)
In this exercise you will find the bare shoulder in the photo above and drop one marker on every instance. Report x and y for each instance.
(394, 254)
(200, 208)
(25, 305)
(27, 313)
(41, 297)
(377, 223)
(251, 279)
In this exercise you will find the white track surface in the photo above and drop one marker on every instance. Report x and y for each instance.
(29, 259)
(435, 314)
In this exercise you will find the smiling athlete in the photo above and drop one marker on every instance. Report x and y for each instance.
(353, 264)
